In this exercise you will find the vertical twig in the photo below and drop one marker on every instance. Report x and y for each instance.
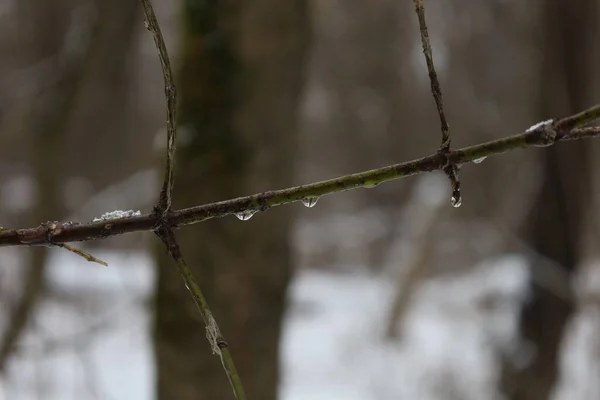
(165, 231)
(436, 90)
(450, 169)
(213, 333)
(151, 23)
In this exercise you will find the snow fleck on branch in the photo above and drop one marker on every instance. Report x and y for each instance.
(164, 228)
(264, 201)
(117, 214)
(538, 125)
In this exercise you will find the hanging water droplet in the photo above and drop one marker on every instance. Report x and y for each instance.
(310, 201)
(479, 160)
(245, 215)
(456, 201)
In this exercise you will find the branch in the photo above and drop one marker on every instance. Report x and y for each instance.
(164, 202)
(164, 229)
(451, 170)
(436, 89)
(543, 135)
(82, 254)
(213, 333)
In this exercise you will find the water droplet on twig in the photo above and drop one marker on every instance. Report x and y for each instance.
(456, 201)
(478, 160)
(245, 215)
(310, 202)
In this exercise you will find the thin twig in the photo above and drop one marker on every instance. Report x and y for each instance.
(436, 89)
(164, 202)
(450, 169)
(578, 120)
(164, 229)
(542, 136)
(213, 333)
(82, 254)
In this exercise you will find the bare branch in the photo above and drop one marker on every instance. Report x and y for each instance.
(578, 120)
(213, 333)
(163, 228)
(450, 169)
(82, 254)
(164, 202)
(544, 135)
(436, 89)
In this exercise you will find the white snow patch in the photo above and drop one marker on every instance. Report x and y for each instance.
(539, 124)
(336, 349)
(117, 214)
(93, 343)
(333, 344)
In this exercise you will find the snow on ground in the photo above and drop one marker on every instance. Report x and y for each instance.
(92, 338)
(333, 345)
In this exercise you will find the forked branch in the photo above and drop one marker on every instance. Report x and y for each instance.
(450, 169)
(164, 230)
(162, 221)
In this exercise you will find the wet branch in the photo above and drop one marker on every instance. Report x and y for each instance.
(162, 221)
(213, 333)
(543, 135)
(450, 169)
(164, 229)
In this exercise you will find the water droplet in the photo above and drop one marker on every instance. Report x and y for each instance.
(245, 215)
(310, 201)
(478, 160)
(456, 201)
(370, 185)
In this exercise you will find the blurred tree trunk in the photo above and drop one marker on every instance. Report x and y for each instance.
(556, 224)
(77, 39)
(47, 126)
(108, 98)
(239, 84)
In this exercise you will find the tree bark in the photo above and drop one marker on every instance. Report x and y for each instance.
(555, 226)
(239, 88)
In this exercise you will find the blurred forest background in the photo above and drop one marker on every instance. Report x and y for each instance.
(385, 293)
